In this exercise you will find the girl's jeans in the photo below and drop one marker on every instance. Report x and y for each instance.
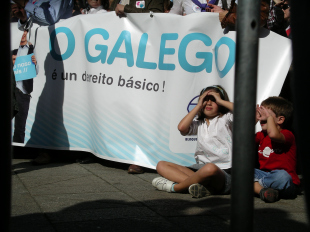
(276, 179)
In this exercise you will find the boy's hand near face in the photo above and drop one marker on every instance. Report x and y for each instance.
(258, 115)
(266, 113)
(270, 114)
(270, 123)
(262, 113)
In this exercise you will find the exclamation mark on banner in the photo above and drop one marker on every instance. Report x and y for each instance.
(164, 86)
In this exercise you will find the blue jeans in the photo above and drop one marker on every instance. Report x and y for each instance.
(276, 179)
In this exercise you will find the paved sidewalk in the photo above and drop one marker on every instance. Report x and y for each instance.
(101, 196)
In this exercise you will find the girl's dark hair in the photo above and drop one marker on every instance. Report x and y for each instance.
(218, 89)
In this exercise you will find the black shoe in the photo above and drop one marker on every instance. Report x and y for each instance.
(43, 158)
(85, 160)
(135, 169)
(269, 195)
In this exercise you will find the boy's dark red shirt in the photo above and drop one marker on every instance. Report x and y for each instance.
(275, 156)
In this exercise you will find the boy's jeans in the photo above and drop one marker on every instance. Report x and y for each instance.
(276, 179)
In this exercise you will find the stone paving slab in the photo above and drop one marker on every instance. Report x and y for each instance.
(55, 203)
(124, 225)
(68, 196)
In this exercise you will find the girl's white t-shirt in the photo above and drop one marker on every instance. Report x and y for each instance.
(214, 141)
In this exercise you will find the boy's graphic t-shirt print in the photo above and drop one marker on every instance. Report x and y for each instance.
(266, 152)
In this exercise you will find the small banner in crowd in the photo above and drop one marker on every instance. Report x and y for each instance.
(24, 68)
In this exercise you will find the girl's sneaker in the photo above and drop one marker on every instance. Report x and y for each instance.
(162, 184)
(198, 191)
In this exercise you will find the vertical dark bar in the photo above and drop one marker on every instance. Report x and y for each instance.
(5, 96)
(300, 88)
(244, 115)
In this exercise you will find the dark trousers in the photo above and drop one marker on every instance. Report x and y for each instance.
(23, 101)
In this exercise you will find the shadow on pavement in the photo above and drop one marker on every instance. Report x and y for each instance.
(154, 215)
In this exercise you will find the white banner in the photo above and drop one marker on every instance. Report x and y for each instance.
(118, 87)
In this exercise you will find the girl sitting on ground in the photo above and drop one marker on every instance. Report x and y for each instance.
(213, 127)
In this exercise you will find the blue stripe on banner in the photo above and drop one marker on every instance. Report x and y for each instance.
(122, 138)
(161, 150)
(98, 135)
(144, 140)
(107, 133)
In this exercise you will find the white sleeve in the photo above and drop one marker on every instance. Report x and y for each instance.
(177, 7)
(229, 118)
(193, 129)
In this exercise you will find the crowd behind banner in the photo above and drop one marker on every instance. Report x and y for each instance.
(275, 14)
(83, 96)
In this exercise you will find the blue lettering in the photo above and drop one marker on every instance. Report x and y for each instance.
(166, 51)
(141, 54)
(71, 43)
(206, 56)
(103, 48)
(124, 36)
(231, 58)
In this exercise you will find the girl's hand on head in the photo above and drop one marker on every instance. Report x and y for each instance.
(202, 103)
(217, 97)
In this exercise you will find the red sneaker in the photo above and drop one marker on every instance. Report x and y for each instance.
(269, 195)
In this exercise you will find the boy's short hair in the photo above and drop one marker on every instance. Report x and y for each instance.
(280, 106)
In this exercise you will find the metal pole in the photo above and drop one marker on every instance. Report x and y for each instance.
(248, 13)
(5, 96)
(300, 88)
